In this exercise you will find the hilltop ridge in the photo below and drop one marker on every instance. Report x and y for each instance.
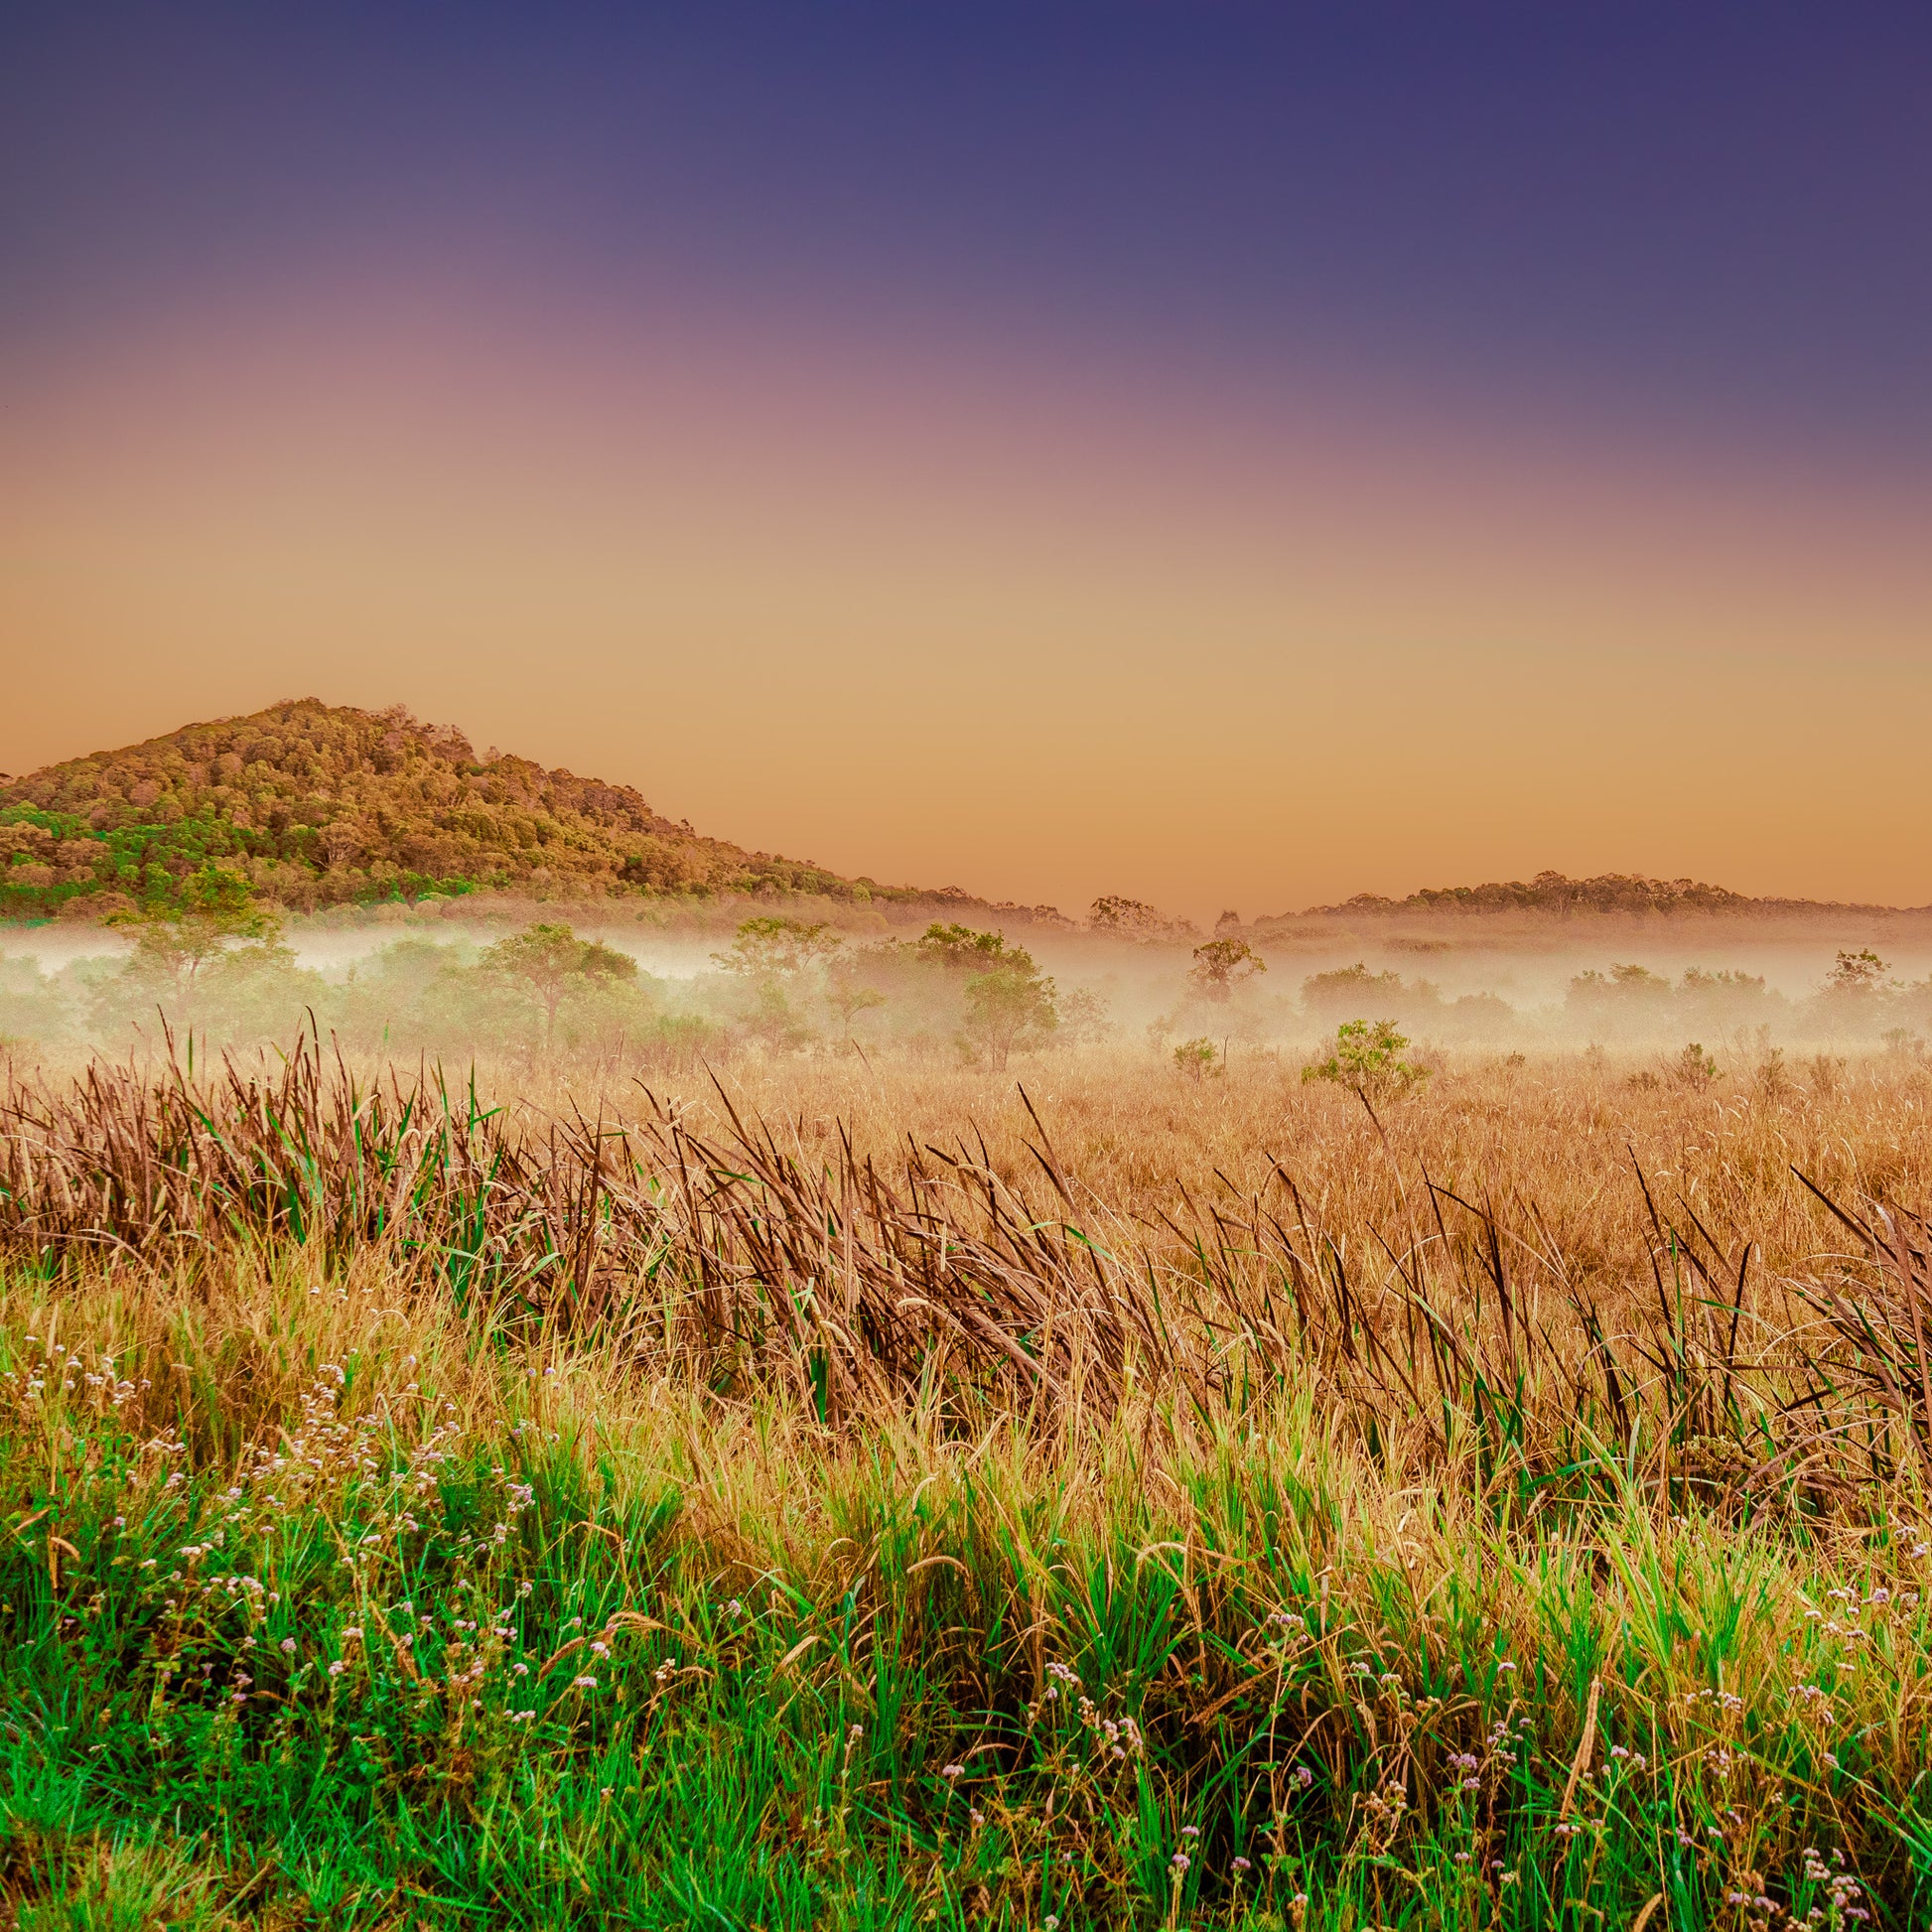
(1612, 893)
(325, 805)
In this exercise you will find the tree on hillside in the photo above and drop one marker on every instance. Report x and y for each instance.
(1223, 964)
(1134, 918)
(550, 962)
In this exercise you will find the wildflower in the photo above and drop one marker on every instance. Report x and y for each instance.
(1190, 1831)
(583, 1682)
(288, 1646)
(336, 1669)
(1178, 1860)
(953, 1771)
(1242, 1865)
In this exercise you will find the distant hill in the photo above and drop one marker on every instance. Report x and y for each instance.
(1552, 894)
(325, 805)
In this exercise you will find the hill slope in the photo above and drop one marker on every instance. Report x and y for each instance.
(1550, 893)
(323, 804)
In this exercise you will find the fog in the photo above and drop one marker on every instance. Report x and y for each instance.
(407, 981)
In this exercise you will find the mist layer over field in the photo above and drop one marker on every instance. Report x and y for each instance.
(745, 990)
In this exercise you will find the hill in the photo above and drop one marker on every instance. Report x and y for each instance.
(325, 805)
(1552, 895)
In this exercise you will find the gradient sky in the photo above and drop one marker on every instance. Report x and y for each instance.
(1234, 454)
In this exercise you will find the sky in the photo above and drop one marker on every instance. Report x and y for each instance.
(1233, 455)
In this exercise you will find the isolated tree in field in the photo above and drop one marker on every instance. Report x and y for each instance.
(1368, 1057)
(1011, 1004)
(1858, 975)
(1223, 964)
(550, 962)
(849, 996)
(777, 948)
(773, 955)
(1348, 986)
(959, 946)
(213, 911)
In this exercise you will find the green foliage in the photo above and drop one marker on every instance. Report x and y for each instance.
(315, 1651)
(1200, 1056)
(959, 948)
(1695, 1068)
(1368, 1057)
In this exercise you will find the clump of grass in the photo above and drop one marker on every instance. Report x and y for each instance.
(417, 1514)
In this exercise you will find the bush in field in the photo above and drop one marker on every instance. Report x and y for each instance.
(550, 963)
(1368, 1057)
(1200, 1056)
(1223, 964)
(1695, 1068)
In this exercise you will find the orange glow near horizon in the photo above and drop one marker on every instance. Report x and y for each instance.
(1034, 626)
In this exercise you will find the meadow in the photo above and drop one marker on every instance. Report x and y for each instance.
(870, 1492)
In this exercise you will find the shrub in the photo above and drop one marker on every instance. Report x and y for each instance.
(1368, 1057)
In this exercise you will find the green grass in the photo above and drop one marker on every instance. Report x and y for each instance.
(1194, 1638)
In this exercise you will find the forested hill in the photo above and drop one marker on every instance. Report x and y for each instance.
(1550, 892)
(323, 804)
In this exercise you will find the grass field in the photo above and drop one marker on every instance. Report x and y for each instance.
(886, 1500)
